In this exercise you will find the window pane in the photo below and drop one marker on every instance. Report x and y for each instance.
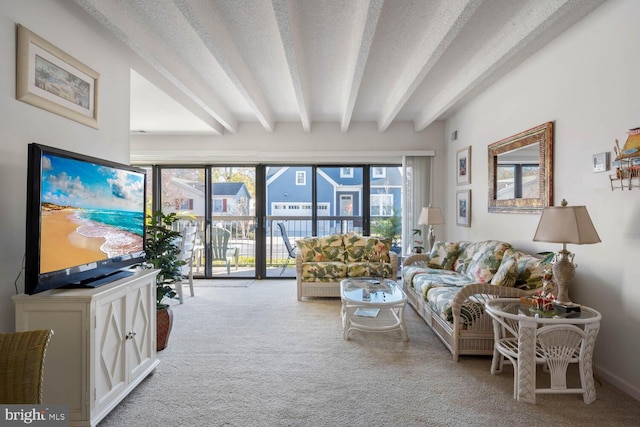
(182, 192)
(233, 222)
(290, 206)
(385, 202)
(301, 178)
(343, 198)
(530, 182)
(149, 189)
(505, 188)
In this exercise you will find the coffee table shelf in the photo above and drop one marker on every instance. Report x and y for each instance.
(362, 296)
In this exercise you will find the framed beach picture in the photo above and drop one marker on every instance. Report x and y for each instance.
(463, 208)
(463, 166)
(49, 78)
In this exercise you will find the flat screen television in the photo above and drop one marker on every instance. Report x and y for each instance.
(85, 219)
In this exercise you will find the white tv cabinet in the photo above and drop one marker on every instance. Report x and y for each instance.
(103, 344)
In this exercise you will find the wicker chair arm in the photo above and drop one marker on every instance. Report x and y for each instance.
(393, 259)
(299, 262)
(415, 258)
(481, 292)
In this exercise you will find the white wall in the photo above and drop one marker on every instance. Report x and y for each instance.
(63, 24)
(586, 81)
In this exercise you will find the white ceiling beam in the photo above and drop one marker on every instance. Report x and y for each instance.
(288, 26)
(364, 27)
(527, 31)
(449, 19)
(134, 31)
(211, 29)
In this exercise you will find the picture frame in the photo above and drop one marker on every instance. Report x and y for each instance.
(601, 162)
(463, 166)
(533, 147)
(463, 208)
(49, 78)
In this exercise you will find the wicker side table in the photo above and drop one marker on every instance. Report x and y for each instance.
(554, 340)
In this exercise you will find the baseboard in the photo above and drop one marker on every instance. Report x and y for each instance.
(618, 382)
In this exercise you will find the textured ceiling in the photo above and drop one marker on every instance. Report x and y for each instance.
(307, 61)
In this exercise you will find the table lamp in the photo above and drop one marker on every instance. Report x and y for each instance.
(565, 224)
(430, 216)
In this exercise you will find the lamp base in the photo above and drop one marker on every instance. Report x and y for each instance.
(431, 238)
(563, 271)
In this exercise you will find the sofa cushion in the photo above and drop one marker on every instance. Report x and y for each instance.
(431, 277)
(411, 270)
(360, 248)
(318, 249)
(369, 269)
(443, 255)
(507, 274)
(481, 260)
(323, 271)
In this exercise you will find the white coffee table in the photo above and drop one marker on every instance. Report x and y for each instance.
(373, 305)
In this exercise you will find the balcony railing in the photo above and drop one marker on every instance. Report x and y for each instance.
(242, 237)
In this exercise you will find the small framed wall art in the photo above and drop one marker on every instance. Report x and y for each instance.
(49, 78)
(463, 208)
(463, 166)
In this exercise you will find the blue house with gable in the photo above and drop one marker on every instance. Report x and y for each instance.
(339, 192)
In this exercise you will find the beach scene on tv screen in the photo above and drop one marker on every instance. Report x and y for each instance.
(90, 213)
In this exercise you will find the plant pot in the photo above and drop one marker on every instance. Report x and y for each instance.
(164, 322)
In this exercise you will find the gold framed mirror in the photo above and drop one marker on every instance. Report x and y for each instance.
(521, 171)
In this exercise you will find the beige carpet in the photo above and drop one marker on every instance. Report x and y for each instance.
(255, 356)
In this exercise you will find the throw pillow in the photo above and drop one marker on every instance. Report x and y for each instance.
(465, 252)
(486, 259)
(321, 249)
(530, 271)
(309, 248)
(354, 247)
(377, 250)
(443, 254)
(507, 273)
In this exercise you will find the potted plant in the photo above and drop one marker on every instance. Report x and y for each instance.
(162, 250)
(417, 244)
(390, 228)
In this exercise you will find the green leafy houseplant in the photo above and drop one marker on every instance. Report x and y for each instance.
(417, 244)
(389, 228)
(162, 250)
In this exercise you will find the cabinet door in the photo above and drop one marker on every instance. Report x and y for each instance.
(110, 344)
(141, 317)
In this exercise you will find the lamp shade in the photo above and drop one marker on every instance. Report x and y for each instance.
(430, 216)
(566, 224)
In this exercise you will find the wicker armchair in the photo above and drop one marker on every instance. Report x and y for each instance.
(21, 366)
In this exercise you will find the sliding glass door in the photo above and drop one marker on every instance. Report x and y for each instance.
(220, 201)
(305, 201)
(231, 238)
(249, 217)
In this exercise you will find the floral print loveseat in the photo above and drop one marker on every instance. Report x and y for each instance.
(448, 288)
(322, 262)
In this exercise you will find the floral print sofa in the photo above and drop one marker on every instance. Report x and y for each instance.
(448, 288)
(322, 262)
